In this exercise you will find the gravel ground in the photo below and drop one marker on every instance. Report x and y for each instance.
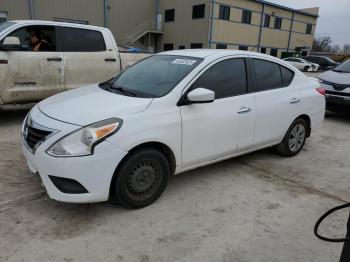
(259, 207)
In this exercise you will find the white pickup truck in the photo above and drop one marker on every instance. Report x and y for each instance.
(42, 58)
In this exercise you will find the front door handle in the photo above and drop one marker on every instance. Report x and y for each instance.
(111, 59)
(294, 101)
(54, 59)
(244, 110)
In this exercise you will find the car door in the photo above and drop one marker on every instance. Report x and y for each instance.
(214, 130)
(88, 57)
(277, 101)
(33, 75)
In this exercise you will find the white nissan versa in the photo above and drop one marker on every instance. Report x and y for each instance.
(172, 112)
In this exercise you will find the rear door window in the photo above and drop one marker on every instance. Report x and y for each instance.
(270, 75)
(83, 40)
(226, 78)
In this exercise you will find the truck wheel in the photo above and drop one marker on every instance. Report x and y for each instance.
(294, 139)
(141, 179)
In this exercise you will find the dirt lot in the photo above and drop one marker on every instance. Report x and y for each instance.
(258, 207)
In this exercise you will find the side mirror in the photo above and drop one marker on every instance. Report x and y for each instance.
(12, 43)
(200, 96)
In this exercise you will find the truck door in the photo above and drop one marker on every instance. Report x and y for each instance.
(88, 57)
(36, 72)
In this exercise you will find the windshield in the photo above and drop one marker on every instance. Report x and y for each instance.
(343, 68)
(154, 76)
(5, 25)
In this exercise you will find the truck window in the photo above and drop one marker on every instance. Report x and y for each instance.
(37, 38)
(83, 40)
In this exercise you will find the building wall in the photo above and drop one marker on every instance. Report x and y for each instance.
(233, 33)
(185, 30)
(16, 9)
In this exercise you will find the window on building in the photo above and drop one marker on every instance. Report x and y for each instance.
(243, 47)
(268, 75)
(182, 47)
(221, 46)
(263, 50)
(267, 21)
(226, 78)
(169, 15)
(246, 16)
(3, 16)
(47, 33)
(274, 52)
(309, 29)
(198, 11)
(83, 40)
(224, 12)
(168, 47)
(278, 22)
(73, 21)
(196, 46)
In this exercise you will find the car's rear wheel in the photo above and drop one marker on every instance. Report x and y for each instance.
(306, 68)
(141, 179)
(294, 140)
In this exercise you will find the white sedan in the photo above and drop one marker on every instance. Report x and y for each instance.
(172, 112)
(302, 64)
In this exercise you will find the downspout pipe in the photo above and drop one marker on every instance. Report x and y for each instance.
(261, 25)
(211, 26)
(31, 9)
(105, 6)
(290, 31)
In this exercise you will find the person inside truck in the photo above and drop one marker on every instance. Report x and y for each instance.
(39, 43)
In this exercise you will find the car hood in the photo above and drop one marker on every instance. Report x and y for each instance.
(86, 105)
(336, 77)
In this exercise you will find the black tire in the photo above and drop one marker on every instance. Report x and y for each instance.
(141, 179)
(285, 148)
(306, 68)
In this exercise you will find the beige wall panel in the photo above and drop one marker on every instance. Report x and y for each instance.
(85, 10)
(301, 27)
(185, 30)
(126, 15)
(274, 38)
(250, 5)
(228, 32)
(278, 12)
(17, 9)
(305, 18)
(301, 40)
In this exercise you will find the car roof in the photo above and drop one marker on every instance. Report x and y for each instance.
(205, 53)
(54, 23)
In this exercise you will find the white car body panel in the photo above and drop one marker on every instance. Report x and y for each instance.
(197, 134)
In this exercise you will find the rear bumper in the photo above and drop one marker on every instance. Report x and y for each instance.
(338, 103)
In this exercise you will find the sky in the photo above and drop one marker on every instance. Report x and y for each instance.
(334, 20)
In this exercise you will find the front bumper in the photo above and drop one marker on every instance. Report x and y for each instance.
(94, 172)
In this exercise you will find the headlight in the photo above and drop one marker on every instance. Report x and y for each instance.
(83, 141)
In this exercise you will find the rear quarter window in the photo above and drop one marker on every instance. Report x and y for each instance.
(287, 76)
(83, 40)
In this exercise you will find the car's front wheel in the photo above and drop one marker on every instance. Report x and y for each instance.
(141, 179)
(294, 139)
(306, 68)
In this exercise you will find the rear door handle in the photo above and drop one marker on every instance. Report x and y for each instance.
(110, 59)
(244, 110)
(294, 101)
(54, 59)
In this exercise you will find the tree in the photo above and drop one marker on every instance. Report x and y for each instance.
(346, 49)
(322, 44)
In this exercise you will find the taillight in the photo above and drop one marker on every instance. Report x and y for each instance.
(321, 90)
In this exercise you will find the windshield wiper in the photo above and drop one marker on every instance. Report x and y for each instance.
(123, 90)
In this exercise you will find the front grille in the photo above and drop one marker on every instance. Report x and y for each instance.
(34, 136)
(337, 93)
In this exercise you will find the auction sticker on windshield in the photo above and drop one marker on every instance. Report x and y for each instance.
(184, 62)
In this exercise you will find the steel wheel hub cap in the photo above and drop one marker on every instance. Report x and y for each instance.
(297, 137)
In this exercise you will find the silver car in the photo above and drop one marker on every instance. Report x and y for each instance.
(337, 85)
